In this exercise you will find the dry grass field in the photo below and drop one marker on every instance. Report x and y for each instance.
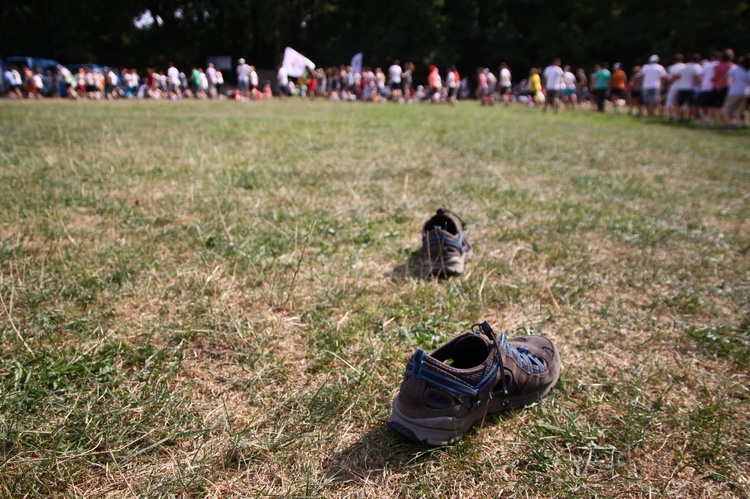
(218, 299)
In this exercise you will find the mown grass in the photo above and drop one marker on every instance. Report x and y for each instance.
(218, 299)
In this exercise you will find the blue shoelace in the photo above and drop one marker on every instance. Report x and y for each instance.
(523, 357)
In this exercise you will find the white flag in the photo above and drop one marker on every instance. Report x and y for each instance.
(357, 63)
(296, 63)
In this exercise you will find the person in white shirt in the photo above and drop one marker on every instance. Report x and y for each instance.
(569, 90)
(505, 84)
(38, 82)
(173, 81)
(685, 87)
(203, 93)
(453, 82)
(253, 83)
(653, 75)
(394, 81)
(739, 89)
(553, 82)
(211, 77)
(674, 71)
(111, 84)
(282, 80)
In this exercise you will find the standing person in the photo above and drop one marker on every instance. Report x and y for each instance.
(38, 82)
(112, 83)
(185, 86)
(134, 82)
(68, 81)
(602, 80)
(721, 80)
(282, 82)
(453, 81)
(674, 71)
(211, 77)
(582, 85)
(203, 92)
(195, 81)
(491, 85)
(654, 76)
(619, 85)
(706, 95)
(12, 79)
(28, 83)
(434, 84)
(634, 89)
(736, 99)
(592, 82)
(685, 87)
(243, 78)
(219, 82)
(302, 85)
(394, 81)
(569, 92)
(312, 84)
(553, 81)
(482, 88)
(173, 80)
(253, 83)
(506, 85)
(535, 87)
(380, 91)
(407, 81)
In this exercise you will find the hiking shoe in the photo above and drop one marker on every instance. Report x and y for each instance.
(446, 392)
(445, 247)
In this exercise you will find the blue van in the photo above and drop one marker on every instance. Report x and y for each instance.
(48, 67)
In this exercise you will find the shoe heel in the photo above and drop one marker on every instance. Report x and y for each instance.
(430, 431)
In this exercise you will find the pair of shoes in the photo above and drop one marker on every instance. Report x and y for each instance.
(445, 247)
(446, 392)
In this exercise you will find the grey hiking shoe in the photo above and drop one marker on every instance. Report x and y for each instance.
(445, 247)
(446, 392)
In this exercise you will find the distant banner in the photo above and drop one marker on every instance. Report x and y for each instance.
(222, 62)
(296, 63)
(357, 63)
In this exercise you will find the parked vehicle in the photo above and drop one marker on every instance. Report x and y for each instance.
(48, 67)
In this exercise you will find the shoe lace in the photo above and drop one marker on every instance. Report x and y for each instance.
(523, 357)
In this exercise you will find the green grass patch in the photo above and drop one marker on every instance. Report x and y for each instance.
(219, 298)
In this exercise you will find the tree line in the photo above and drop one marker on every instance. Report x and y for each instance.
(468, 33)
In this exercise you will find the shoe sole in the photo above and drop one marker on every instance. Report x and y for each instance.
(435, 432)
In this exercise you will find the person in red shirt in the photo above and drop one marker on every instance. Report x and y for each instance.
(434, 84)
(721, 79)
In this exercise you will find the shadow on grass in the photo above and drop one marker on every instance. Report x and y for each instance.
(378, 451)
(411, 268)
(382, 451)
(736, 130)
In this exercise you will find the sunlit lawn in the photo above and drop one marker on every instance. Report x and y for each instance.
(218, 298)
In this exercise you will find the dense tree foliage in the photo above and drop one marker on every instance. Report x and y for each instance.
(468, 33)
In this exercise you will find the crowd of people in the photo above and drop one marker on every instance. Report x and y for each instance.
(713, 91)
